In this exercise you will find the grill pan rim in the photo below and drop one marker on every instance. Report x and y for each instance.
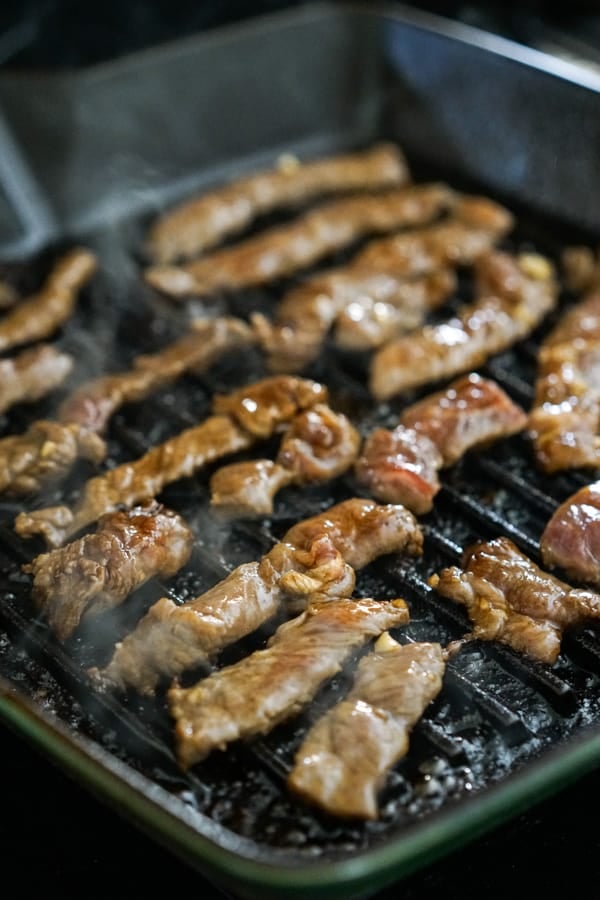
(135, 797)
(149, 805)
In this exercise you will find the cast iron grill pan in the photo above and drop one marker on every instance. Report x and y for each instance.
(497, 711)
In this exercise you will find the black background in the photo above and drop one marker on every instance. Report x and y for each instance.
(54, 836)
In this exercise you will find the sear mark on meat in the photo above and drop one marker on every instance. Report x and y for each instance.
(39, 316)
(100, 570)
(265, 404)
(44, 454)
(511, 600)
(564, 420)
(32, 374)
(195, 225)
(171, 639)
(94, 402)
(343, 761)
(285, 249)
(316, 557)
(387, 289)
(571, 539)
(318, 446)
(514, 296)
(401, 465)
(269, 686)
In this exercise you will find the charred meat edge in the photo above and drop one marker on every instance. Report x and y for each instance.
(512, 600)
(514, 296)
(312, 558)
(98, 571)
(285, 249)
(342, 763)
(40, 315)
(269, 686)
(248, 414)
(197, 224)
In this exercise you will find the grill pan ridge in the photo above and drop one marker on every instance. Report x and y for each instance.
(502, 731)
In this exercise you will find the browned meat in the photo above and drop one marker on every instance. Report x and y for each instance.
(93, 403)
(133, 482)
(274, 684)
(170, 639)
(388, 288)
(371, 302)
(470, 413)
(511, 600)
(195, 225)
(362, 530)
(44, 454)
(100, 570)
(344, 759)
(564, 420)
(571, 538)
(267, 403)
(39, 316)
(32, 374)
(400, 466)
(318, 446)
(376, 316)
(284, 249)
(315, 559)
(514, 296)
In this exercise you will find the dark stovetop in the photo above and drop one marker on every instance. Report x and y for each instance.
(54, 835)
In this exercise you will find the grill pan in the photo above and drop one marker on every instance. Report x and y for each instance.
(92, 160)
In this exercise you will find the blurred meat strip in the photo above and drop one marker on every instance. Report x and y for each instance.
(191, 227)
(387, 289)
(32, 374)
(207, 340)
(285, 249)
(84, 414)
(401, 465)
(511, 600)
(100, 570)
(342, 763)
(571, 538)
(564, 418)
(39, 316)
(316, 557)
(250, 413)
(44, 454)
(514, 294)
(269, 686)
(319, 445)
